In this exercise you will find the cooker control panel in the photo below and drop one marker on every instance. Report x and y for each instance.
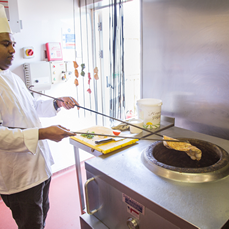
(132, 223)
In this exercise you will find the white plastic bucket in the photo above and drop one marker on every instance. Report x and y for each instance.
(149, 110)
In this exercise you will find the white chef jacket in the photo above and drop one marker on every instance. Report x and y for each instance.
(24, 161)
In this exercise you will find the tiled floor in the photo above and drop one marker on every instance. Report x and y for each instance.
(64, 210)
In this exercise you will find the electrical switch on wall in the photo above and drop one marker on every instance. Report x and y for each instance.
(28, 52)
(58, 71)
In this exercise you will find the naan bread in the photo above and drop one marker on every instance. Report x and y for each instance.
(193, 152)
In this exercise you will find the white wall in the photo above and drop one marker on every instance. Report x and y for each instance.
(43, 21)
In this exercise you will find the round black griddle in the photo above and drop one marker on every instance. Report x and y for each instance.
(213, 157)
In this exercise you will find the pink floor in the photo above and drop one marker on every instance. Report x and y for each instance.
(64, 210)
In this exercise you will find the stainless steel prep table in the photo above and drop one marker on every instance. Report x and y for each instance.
(166, 122)
(203, 205)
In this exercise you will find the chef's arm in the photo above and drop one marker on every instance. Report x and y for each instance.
(26, 140)
(54, 133)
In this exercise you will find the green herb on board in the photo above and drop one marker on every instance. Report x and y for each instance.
(89, 136)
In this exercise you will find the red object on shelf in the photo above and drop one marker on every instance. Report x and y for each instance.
(54, 51)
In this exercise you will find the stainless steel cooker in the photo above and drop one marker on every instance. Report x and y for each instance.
(124, 192)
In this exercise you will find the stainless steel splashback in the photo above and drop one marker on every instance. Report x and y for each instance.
(185, 62)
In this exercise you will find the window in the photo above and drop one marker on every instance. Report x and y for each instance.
(110, 43)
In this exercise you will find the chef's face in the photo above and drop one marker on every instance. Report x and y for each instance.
(6, 50)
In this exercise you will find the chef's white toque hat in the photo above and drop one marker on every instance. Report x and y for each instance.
(4, 24)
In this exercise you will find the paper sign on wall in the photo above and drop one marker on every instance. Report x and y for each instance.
(68, 38)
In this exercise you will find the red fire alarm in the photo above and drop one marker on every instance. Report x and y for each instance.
(54, 51)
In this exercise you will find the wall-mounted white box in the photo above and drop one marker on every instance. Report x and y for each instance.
(38, 74)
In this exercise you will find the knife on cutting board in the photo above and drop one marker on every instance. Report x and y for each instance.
(107, 140)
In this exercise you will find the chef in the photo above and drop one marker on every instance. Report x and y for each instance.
(25, 158)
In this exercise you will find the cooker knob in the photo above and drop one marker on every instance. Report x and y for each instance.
(132, 223)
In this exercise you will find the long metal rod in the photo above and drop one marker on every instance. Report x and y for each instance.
(130, 124)
(122, 136)
(29, 88)
(151, 132)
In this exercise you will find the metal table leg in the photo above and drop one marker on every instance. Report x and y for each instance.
(77, 146)
(79, 179)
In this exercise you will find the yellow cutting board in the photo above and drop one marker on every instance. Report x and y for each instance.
(104, 147)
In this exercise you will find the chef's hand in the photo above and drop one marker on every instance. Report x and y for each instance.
(54, 133)
(68, 103)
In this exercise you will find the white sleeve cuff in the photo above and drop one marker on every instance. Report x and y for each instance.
(31, 139)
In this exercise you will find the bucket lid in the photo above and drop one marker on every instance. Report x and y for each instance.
(149, 102)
